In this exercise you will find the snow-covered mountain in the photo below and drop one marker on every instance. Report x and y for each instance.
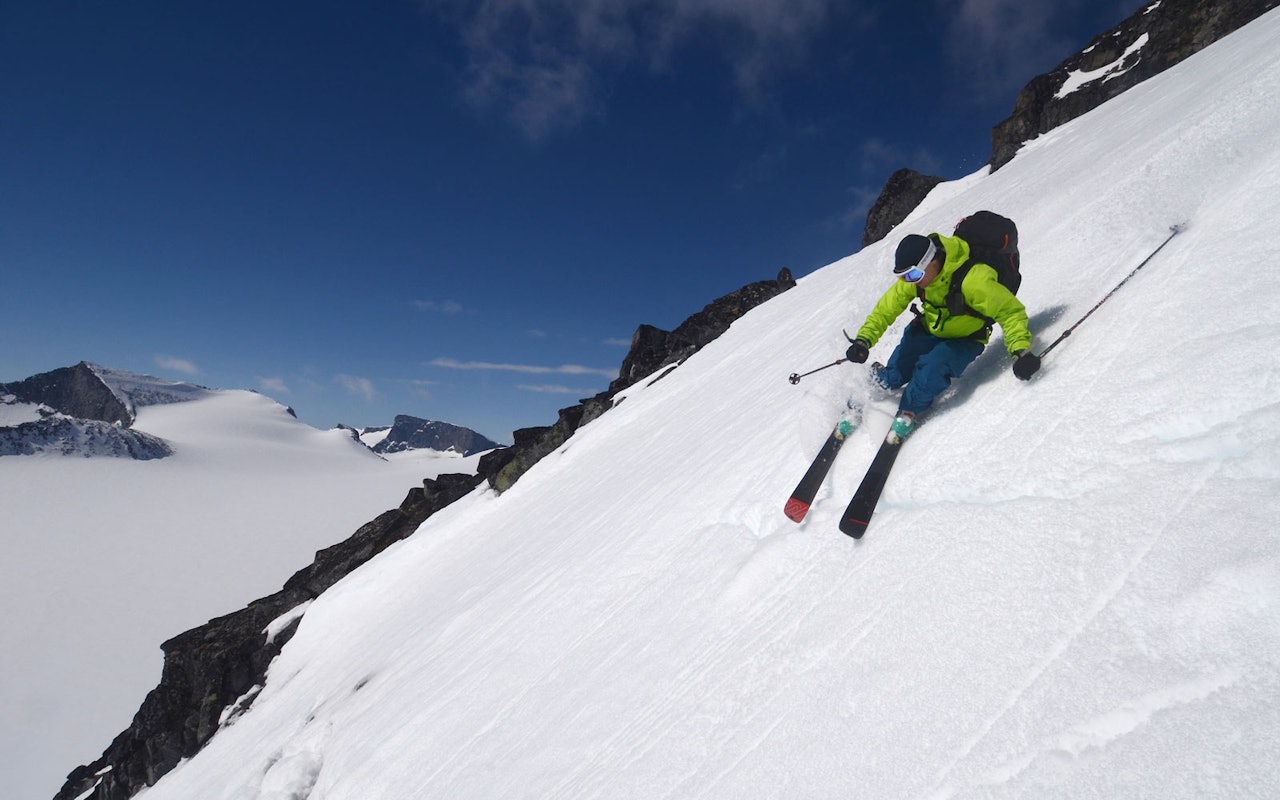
(89, 410)
(1070, 588)
(409, 433)
(108, 557)
(85, 410)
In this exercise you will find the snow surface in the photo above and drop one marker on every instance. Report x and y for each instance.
(106, 558)
(136, 391)
(14, 413)
(372, 438)
(1070, 589)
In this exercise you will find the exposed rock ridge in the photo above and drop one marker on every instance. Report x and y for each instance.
(651, 349)
(1154, 38)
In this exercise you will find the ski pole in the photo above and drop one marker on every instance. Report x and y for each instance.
(1175, 230)
(794, 378)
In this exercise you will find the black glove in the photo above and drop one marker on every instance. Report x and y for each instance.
(858, 352)
(1025, 364)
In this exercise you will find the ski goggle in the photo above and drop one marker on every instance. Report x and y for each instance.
(912, 275)
(916, 273)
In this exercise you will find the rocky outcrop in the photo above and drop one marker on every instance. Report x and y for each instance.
(213, 673)
(651, 350)
(1150, 41)
(502, 468)
(66, 436)
(74, 391)
(412, 433)
(904, 190)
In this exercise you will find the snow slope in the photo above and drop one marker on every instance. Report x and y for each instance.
(1070, 589)
(105, 558)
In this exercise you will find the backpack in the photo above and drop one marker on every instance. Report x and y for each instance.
(993, 240)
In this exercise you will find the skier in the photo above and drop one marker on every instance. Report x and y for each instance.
(938, 345)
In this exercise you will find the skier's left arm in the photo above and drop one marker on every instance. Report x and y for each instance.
(986, 295)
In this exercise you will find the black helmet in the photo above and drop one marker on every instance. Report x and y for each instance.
(914, 251)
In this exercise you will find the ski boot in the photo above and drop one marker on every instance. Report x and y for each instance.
(902, 427)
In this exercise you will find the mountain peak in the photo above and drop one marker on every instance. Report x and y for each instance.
(413, 433)
(77, 391)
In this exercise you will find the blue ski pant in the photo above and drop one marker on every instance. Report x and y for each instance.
(926, 364)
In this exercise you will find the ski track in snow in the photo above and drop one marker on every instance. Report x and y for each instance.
(1101, 601)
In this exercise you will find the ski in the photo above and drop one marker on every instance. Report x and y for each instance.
(858, 515)
(798, 504)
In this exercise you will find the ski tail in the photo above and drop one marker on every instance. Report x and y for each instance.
(854, 527)
(796, 509)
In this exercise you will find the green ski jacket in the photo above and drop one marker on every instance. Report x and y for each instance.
(982, 291)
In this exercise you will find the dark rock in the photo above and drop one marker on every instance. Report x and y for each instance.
(651, 349)
(89, 438)
(412, 433)
(1176, 30)
(334, 563)
(212, 673)
(352, 432)
(75, 391)
(904, 190)
(505, 466)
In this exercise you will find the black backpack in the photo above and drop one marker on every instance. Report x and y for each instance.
(993, 240)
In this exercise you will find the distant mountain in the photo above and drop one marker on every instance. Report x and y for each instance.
(77, 391)
(133, 551)
(85, 410)
(81, 437)
(412, 433)
(90, 410)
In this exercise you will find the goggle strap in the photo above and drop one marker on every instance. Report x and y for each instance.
(928, 255)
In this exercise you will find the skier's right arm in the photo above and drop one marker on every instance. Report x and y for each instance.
(888, 308)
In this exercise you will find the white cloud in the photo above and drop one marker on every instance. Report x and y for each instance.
(997, 39)
(554, 389)
(878, 157)
(544, 64)
(531, 369)
(360, 387)
(177, 365)
(854, 215)
(273, 386)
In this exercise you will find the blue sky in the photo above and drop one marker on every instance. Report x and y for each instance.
(460, 210)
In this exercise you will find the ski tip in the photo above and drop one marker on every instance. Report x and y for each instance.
(853, 527)
(796, 509)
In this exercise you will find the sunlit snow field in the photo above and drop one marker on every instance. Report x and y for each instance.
(1070, 588)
